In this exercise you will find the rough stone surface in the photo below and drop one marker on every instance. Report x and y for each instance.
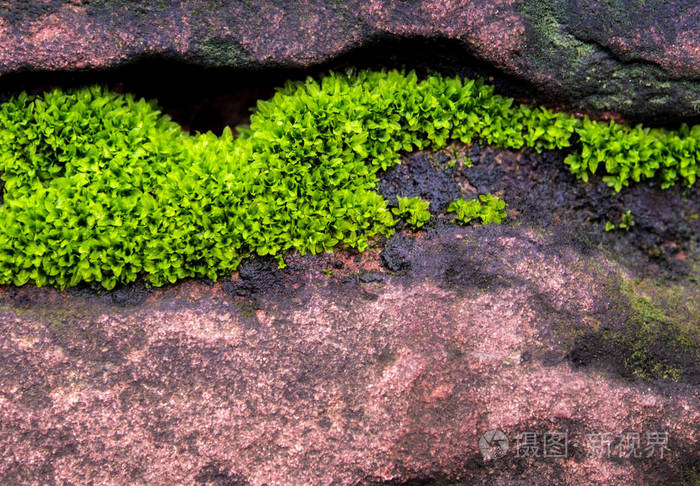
(637, 58)
(320, 380)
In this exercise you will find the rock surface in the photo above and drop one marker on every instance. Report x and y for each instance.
(637, 58)
(299, 378)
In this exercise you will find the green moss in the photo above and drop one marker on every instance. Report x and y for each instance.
(414, 210)
(487, 208)
(643, 329)
(100, 187)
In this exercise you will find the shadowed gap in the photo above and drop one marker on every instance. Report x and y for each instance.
(208, 99)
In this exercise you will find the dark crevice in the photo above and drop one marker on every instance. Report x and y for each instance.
(204, 98)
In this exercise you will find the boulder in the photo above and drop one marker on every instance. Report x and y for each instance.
(321, 379)
(640, 59)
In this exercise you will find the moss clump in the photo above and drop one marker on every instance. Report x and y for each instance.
(102, 188)
(488, 208)
(414, 210)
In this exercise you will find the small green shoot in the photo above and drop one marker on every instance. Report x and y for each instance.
(415, 210)
(626, 222)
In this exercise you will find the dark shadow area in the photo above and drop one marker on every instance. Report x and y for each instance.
(198, 98)
(205, 98)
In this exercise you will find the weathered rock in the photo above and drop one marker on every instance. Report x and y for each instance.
(637, 58)
(329, 380)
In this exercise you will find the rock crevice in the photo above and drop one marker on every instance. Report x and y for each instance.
(644, 67)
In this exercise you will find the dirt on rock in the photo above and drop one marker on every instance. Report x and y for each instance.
(396, 253)
(539, 190)
(417, 176)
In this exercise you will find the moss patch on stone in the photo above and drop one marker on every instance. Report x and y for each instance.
(660, 338)
(214, 51)
(591, 72)
(102, 188)
(648, 330)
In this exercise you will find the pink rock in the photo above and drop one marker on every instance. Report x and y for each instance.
(333, 381)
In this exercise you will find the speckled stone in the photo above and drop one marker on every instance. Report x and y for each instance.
(329, 380)
(639, 59)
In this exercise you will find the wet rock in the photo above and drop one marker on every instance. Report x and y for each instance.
(368, 277)
(396, 255)
(130, 295)
(217, 476)
(256, 275)
(417, 177)
(640, 60)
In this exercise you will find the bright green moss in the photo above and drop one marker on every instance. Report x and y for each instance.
(488, 208)
(102, 188)
(414, 209)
